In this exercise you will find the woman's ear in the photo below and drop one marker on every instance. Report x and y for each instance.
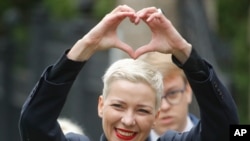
(100, 106)
(156, 116)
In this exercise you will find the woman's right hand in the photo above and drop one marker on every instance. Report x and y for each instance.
(104, 35)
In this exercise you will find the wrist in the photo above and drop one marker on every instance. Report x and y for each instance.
(183, 53)
(81, 51)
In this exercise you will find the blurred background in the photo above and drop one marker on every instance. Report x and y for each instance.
(34, 34)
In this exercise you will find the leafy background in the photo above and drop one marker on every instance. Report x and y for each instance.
(233, 19)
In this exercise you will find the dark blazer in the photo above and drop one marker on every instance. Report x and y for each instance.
(217, 112)
(38, 120)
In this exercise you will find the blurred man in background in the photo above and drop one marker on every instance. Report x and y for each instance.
(174, 110)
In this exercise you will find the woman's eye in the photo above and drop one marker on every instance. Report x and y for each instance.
(117, 105)
(144, 111)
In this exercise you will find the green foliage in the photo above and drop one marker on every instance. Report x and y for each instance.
(231, 14)
(233, 18)
(102, 7)
(4, 6)
(62, 9)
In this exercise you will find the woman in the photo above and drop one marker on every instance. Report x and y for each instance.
(131, 95)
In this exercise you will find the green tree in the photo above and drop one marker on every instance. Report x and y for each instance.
(233, 16)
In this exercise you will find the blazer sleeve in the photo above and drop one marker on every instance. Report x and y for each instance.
(38, 119)
(217, 107)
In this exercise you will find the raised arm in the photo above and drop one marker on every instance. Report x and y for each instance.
(38, 120)
(217, 107)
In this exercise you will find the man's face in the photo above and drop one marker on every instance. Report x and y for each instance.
(128, 112)
(174, 116)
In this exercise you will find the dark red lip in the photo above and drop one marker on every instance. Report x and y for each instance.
(125, 134)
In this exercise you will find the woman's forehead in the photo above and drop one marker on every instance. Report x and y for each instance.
(130, 91)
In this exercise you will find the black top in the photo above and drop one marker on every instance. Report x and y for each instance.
(38, 121)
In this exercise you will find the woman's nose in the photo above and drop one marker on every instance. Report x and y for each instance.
(128, 119)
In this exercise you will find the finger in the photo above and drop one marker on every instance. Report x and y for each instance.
(121, 12)
(146, 12)
(137, 19)
(151, 14)
(130, 15)
(126, 48)
(133, 19)
(142, 50)
(114, 20)
(123, 8)
(154, 16)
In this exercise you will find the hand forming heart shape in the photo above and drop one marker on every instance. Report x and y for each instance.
(165, 38)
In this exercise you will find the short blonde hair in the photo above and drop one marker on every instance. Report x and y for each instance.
(134, 71)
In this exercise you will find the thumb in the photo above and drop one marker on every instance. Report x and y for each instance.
(142, 50)
(126, 48)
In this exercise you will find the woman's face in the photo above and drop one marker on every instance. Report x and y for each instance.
(128, 112)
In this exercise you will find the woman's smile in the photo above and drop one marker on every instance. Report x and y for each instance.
(125, 134)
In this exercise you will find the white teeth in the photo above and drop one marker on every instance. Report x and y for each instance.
(125, 133)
